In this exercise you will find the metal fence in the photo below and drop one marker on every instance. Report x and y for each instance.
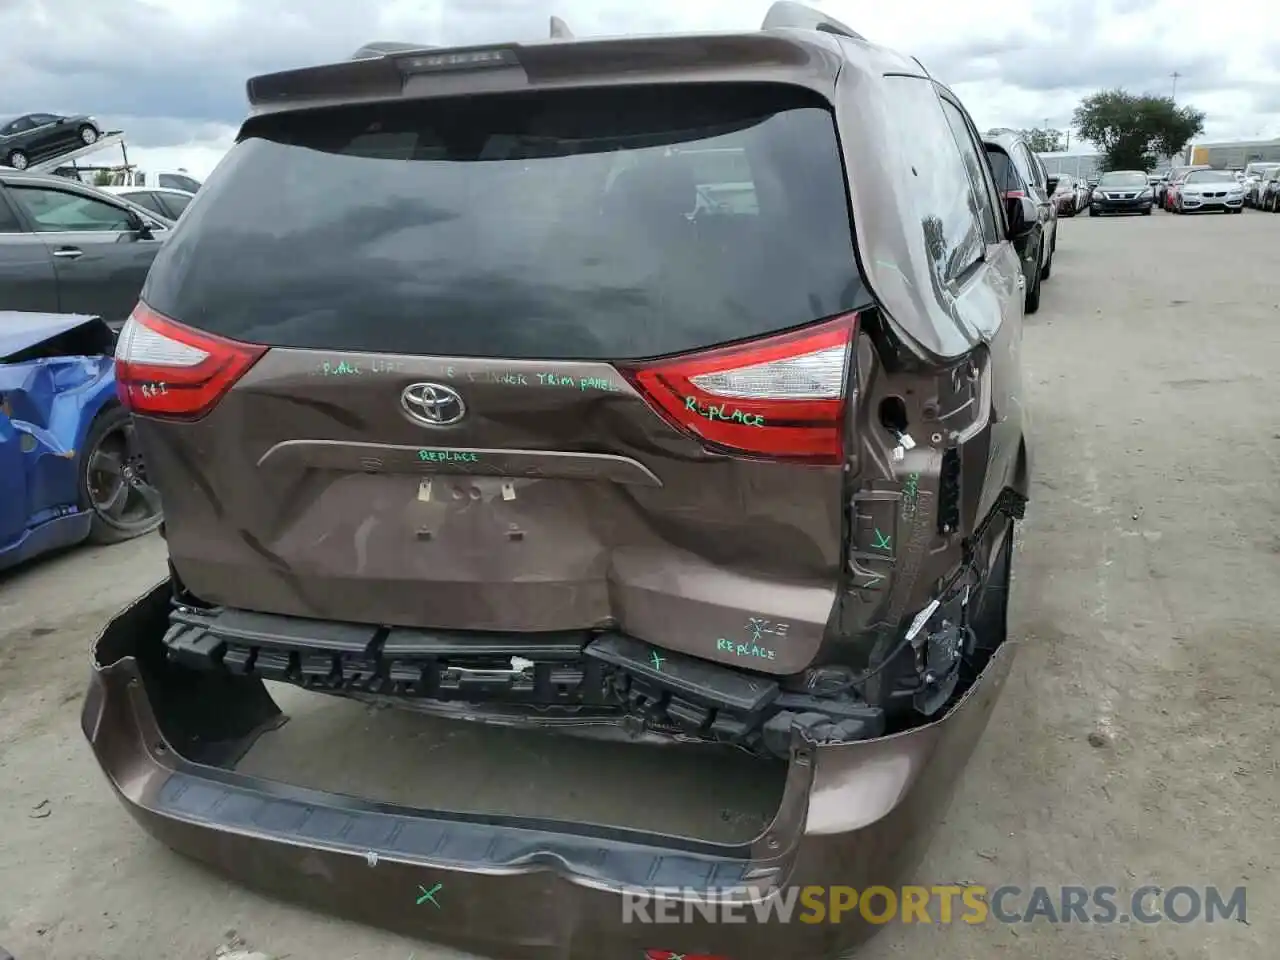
(1080, 166)
(1219, 155)
(1085, 165)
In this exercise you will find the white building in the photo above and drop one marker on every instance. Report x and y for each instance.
(1234, 153)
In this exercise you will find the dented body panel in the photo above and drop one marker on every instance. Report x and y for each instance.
(552, 506)
(56, 375)
(857, 814)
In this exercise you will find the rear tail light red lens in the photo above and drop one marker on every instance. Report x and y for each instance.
(781, 398)
(1013, 194)
(166, 369)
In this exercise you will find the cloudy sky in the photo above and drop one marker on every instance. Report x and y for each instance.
(171, 72)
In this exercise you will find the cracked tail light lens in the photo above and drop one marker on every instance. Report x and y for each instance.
(165, 369)
(779, 398)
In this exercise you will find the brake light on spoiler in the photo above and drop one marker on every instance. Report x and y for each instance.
(165, 369)
(780, 398)
(457, 60)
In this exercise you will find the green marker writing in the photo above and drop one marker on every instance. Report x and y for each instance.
(429, 896)
(447, 456)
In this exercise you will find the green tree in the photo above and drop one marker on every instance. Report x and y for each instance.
(102, 178)
(1135, 132)
(1043, 140)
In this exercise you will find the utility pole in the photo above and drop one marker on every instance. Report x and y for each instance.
(1175, 76)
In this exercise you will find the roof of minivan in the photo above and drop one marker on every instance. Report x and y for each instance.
(1002, 140)
(811, 58)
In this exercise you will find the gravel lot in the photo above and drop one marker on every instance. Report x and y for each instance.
(1135, 742)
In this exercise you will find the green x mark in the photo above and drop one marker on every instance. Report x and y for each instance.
(657, 661)
(430, 895)
(882, 542)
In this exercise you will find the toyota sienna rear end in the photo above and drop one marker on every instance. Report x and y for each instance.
(616, 383)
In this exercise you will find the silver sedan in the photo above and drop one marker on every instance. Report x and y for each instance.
(1210, 190)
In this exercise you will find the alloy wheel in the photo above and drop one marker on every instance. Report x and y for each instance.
(119, 492)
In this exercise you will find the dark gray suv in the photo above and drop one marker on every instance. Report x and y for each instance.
(66, 247)
(669, 386)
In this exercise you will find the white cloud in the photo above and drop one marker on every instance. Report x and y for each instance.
(174, 70)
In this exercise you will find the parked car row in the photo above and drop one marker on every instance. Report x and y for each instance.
(1258, 179)
(1020, 173)
(38, 136)
(66, 247)
(1267, 191)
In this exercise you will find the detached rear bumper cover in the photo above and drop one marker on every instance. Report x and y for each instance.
(855, 814)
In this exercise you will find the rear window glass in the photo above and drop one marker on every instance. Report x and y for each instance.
(1006, 177)
(1123, 180)
(1209, 176)
(614, 224)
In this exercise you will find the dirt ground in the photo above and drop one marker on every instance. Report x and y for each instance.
(1134, 744)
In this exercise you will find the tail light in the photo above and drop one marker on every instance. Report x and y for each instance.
(781, 398)
(166, 369)
(1013, 194)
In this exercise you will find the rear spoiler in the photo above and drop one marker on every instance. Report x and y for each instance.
(386, 69)
(786, 15)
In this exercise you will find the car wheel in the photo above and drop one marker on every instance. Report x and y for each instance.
(1048, 264)
(990, 622)
(113, 481)
(1032, 303)
(1146, 211)
(1093, 212)
(88, 134)
(17, 159)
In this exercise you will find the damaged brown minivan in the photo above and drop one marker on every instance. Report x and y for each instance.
(665, 385)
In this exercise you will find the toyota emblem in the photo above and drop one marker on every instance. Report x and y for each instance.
(432, 404)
